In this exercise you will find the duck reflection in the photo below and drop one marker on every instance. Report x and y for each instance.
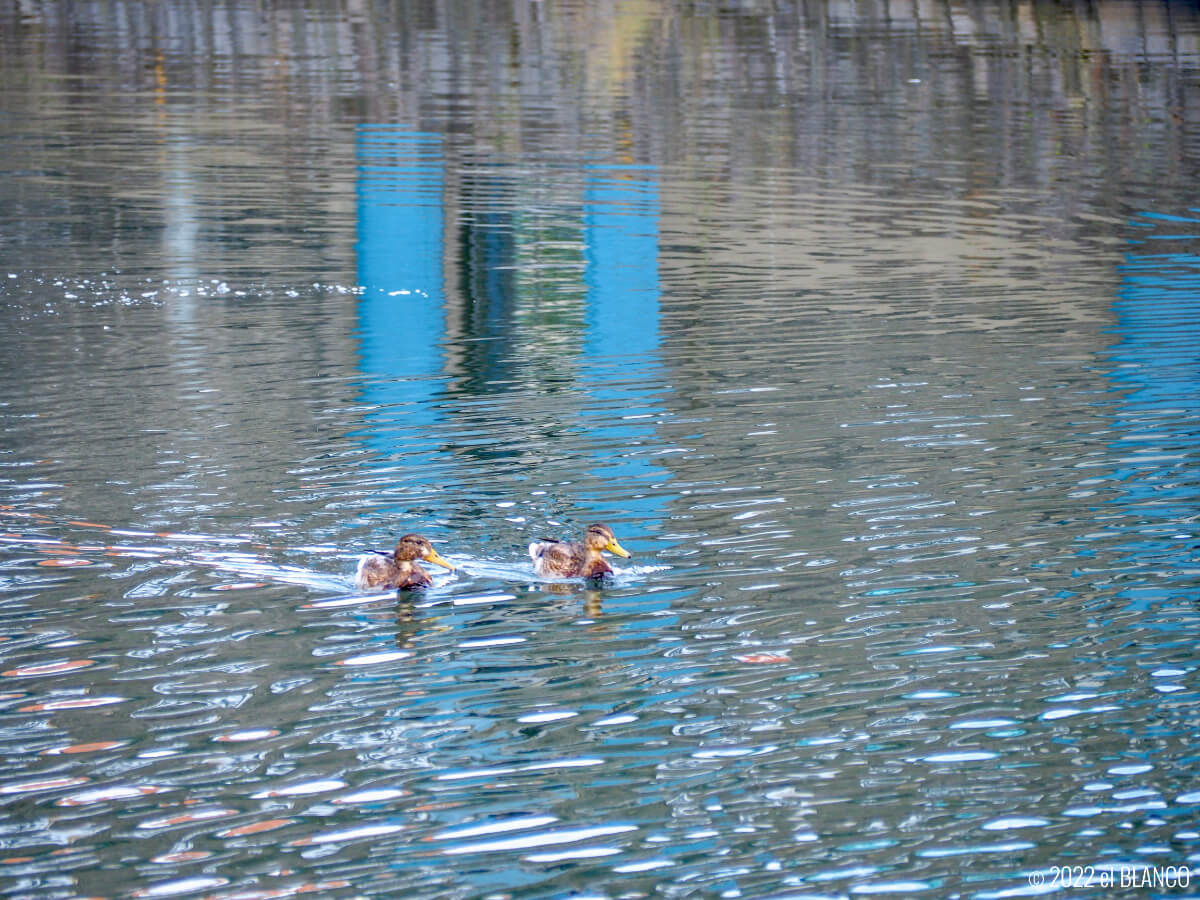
(408, 626)
(592, 598)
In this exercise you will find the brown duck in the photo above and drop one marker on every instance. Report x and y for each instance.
(399, 569)
(573, 559)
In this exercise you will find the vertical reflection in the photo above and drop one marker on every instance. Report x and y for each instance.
(401, 316)
(621, 367)
(486, 256)
(1158, 367)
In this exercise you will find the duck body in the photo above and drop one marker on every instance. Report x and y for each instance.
(553, 558)
(399, 570)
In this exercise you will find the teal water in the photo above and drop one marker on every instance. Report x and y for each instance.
(871, 332)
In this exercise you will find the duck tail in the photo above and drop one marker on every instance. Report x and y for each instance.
(360, 574)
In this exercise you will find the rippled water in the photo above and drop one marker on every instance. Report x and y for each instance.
(873, 337)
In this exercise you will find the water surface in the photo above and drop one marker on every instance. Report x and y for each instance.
(872, 333)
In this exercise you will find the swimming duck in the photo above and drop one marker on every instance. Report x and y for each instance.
(399, 569)
(572, 559)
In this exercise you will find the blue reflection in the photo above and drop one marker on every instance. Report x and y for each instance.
(622, 365)
(621, 212)
(1158, 368)
(401, 315)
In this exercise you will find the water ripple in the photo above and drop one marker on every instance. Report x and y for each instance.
(902, 442)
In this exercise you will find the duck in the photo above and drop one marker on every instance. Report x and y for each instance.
(399, 569)
(575, 559)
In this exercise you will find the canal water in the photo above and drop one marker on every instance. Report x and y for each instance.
(871, 329)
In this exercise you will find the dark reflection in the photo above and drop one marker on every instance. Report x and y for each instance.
(487, 255)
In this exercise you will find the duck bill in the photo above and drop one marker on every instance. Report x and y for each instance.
(616, 548)
(433, 557)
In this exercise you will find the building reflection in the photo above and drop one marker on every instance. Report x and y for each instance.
(621, 346)
(401, 312)
(564, 290)
(485, 253)
(1157, 367)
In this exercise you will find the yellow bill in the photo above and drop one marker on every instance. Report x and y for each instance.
(434, 557)
(614, 547)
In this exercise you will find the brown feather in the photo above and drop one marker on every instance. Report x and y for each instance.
(573, 559)
(380, 572)
(398, 569)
